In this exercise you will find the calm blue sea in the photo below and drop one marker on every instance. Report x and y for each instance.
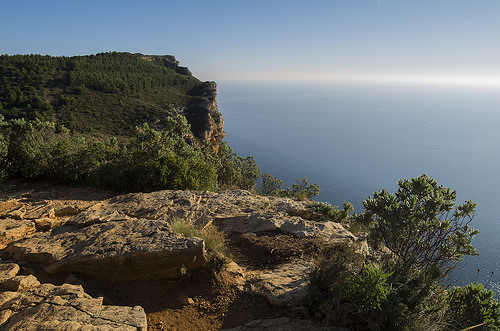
(357, 139)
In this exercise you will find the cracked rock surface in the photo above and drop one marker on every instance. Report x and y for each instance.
(25, 304)
(129, 238)
(117, 250)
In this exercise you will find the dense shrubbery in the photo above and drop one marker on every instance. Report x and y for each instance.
(426, 235)
(235, 171)
(420, 223)
(151, 160)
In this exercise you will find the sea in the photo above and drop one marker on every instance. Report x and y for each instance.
(357, 138)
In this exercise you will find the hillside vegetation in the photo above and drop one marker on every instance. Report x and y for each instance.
(108, 93)
(128, 122)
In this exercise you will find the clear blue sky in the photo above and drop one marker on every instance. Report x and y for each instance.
(272, 39)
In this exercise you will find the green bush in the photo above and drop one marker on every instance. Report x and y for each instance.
(270, 185)
(368, 290)
(473, 305)
(420, 223)
(154, 159)
(333, 212)
(427, 235)
(331, 267)
(158, 159)
(234, 171)
(301, 190)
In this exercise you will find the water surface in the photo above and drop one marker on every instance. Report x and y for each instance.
(357, 139)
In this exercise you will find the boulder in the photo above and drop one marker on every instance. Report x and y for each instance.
(131, 249)
(283, 286)
(65, 307)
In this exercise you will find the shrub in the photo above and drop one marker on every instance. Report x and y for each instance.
(368, 290)
(301, 190)
(420, 225)
(270, 185)
(234, 171)
(473, 305)
(333, 212)
(331, 267)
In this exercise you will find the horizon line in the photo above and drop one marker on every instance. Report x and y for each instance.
(442, 80)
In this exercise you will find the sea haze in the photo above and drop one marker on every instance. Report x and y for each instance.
(357, 139)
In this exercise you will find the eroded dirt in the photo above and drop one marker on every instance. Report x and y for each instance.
(268, 249)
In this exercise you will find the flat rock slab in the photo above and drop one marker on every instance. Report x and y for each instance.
(13, 229)
(283, 286)
(232, 211)
(130, 249)
(36, 306)
(263, 222)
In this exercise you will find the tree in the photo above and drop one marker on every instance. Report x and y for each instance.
(270, 185)
(420, 225)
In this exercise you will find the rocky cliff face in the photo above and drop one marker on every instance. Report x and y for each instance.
(202, 113)
(168, 61)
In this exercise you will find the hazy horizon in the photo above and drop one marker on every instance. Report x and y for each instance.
(428, 41)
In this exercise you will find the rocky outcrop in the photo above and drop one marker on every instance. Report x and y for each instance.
(25, 304)
(128, 237)
(114, 248)
(202, 113)
(168, 61)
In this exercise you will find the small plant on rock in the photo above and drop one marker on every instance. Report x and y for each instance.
(215, 240)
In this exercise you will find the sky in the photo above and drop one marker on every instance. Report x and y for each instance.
(436, 41)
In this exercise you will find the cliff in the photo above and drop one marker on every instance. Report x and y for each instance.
(202, 114)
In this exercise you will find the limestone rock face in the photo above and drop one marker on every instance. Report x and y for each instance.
(205, 119)
(14, 229)
(118, 250)
(232, 211)
(36, 306)
(128, 237)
